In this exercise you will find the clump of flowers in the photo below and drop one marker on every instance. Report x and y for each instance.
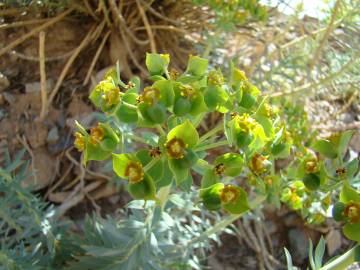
(249, 139)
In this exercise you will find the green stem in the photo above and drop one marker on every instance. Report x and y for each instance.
(199, 119)
(224, 223)
(343, 261)
(150, 164)
(130, 106)
(137, 139)
(211, 145)
(160, 130)
(211, 132)
(203, 164)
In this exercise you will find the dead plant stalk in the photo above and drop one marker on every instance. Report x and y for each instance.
(42, 75)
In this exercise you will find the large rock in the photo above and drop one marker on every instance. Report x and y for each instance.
(42, 170)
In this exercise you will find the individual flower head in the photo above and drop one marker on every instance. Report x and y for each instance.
(229, 194)
(216, 95)
(249, 95)
(150, 95)
(311, 164)
(229, 164)
(216, 78)
(79, 142)
(176, 148)
(292, 195)
(188, 99)
(347, 210)
(106, 95)
(352, 212)
(128, 166)
(154, 101)
(232, 198)
(174, 74)
(97, 145)
(187, 91)
(245, 132)
(259, 164)
(179, 145)
(155, 152)
(219, 169)
(134, 172)
(245, 122)
(157, 64)
(111, 96)
(96, 134)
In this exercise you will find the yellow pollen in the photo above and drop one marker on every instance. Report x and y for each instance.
(245, 122)
(134, 172)
(175, 148)
(79, 142)
(112, 96)
(229, 194)
(352, 211)
(150, 95)
(96, 135)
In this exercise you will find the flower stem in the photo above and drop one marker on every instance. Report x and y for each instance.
(130, 106)
(211, 145)
(137, 139)
(150, 164)
(211, 132)
(343, 261)
(160, 130)
(224, 223)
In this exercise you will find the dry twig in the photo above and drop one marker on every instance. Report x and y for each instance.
(42, 75)
(96, 57)
(35, 31)
(147, 27)
(21, 23)
(68, 64)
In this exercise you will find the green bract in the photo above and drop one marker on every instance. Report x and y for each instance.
(233, 199)
(157, 63)
(99, 144)
(179, 146)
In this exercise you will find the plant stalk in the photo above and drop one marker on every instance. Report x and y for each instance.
(211, 132)
(224, 223)
(211, 145)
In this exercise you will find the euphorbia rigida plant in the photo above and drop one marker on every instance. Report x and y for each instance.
(165, 119)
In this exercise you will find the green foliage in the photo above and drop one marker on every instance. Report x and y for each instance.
(229, 14)
(145, 237)
(29, 235)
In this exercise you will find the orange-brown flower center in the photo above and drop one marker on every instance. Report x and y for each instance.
(112, 96)
(245, 122)
(79, 142)
(219, 169)
(155, 152)
(258, 164)
(229, 194)
(352, 211)
(175, 148)
(187, 91)
(150, 95)
(96, 135)
(134, 172)
(311, 166)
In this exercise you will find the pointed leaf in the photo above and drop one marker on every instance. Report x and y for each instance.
(326, 148)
